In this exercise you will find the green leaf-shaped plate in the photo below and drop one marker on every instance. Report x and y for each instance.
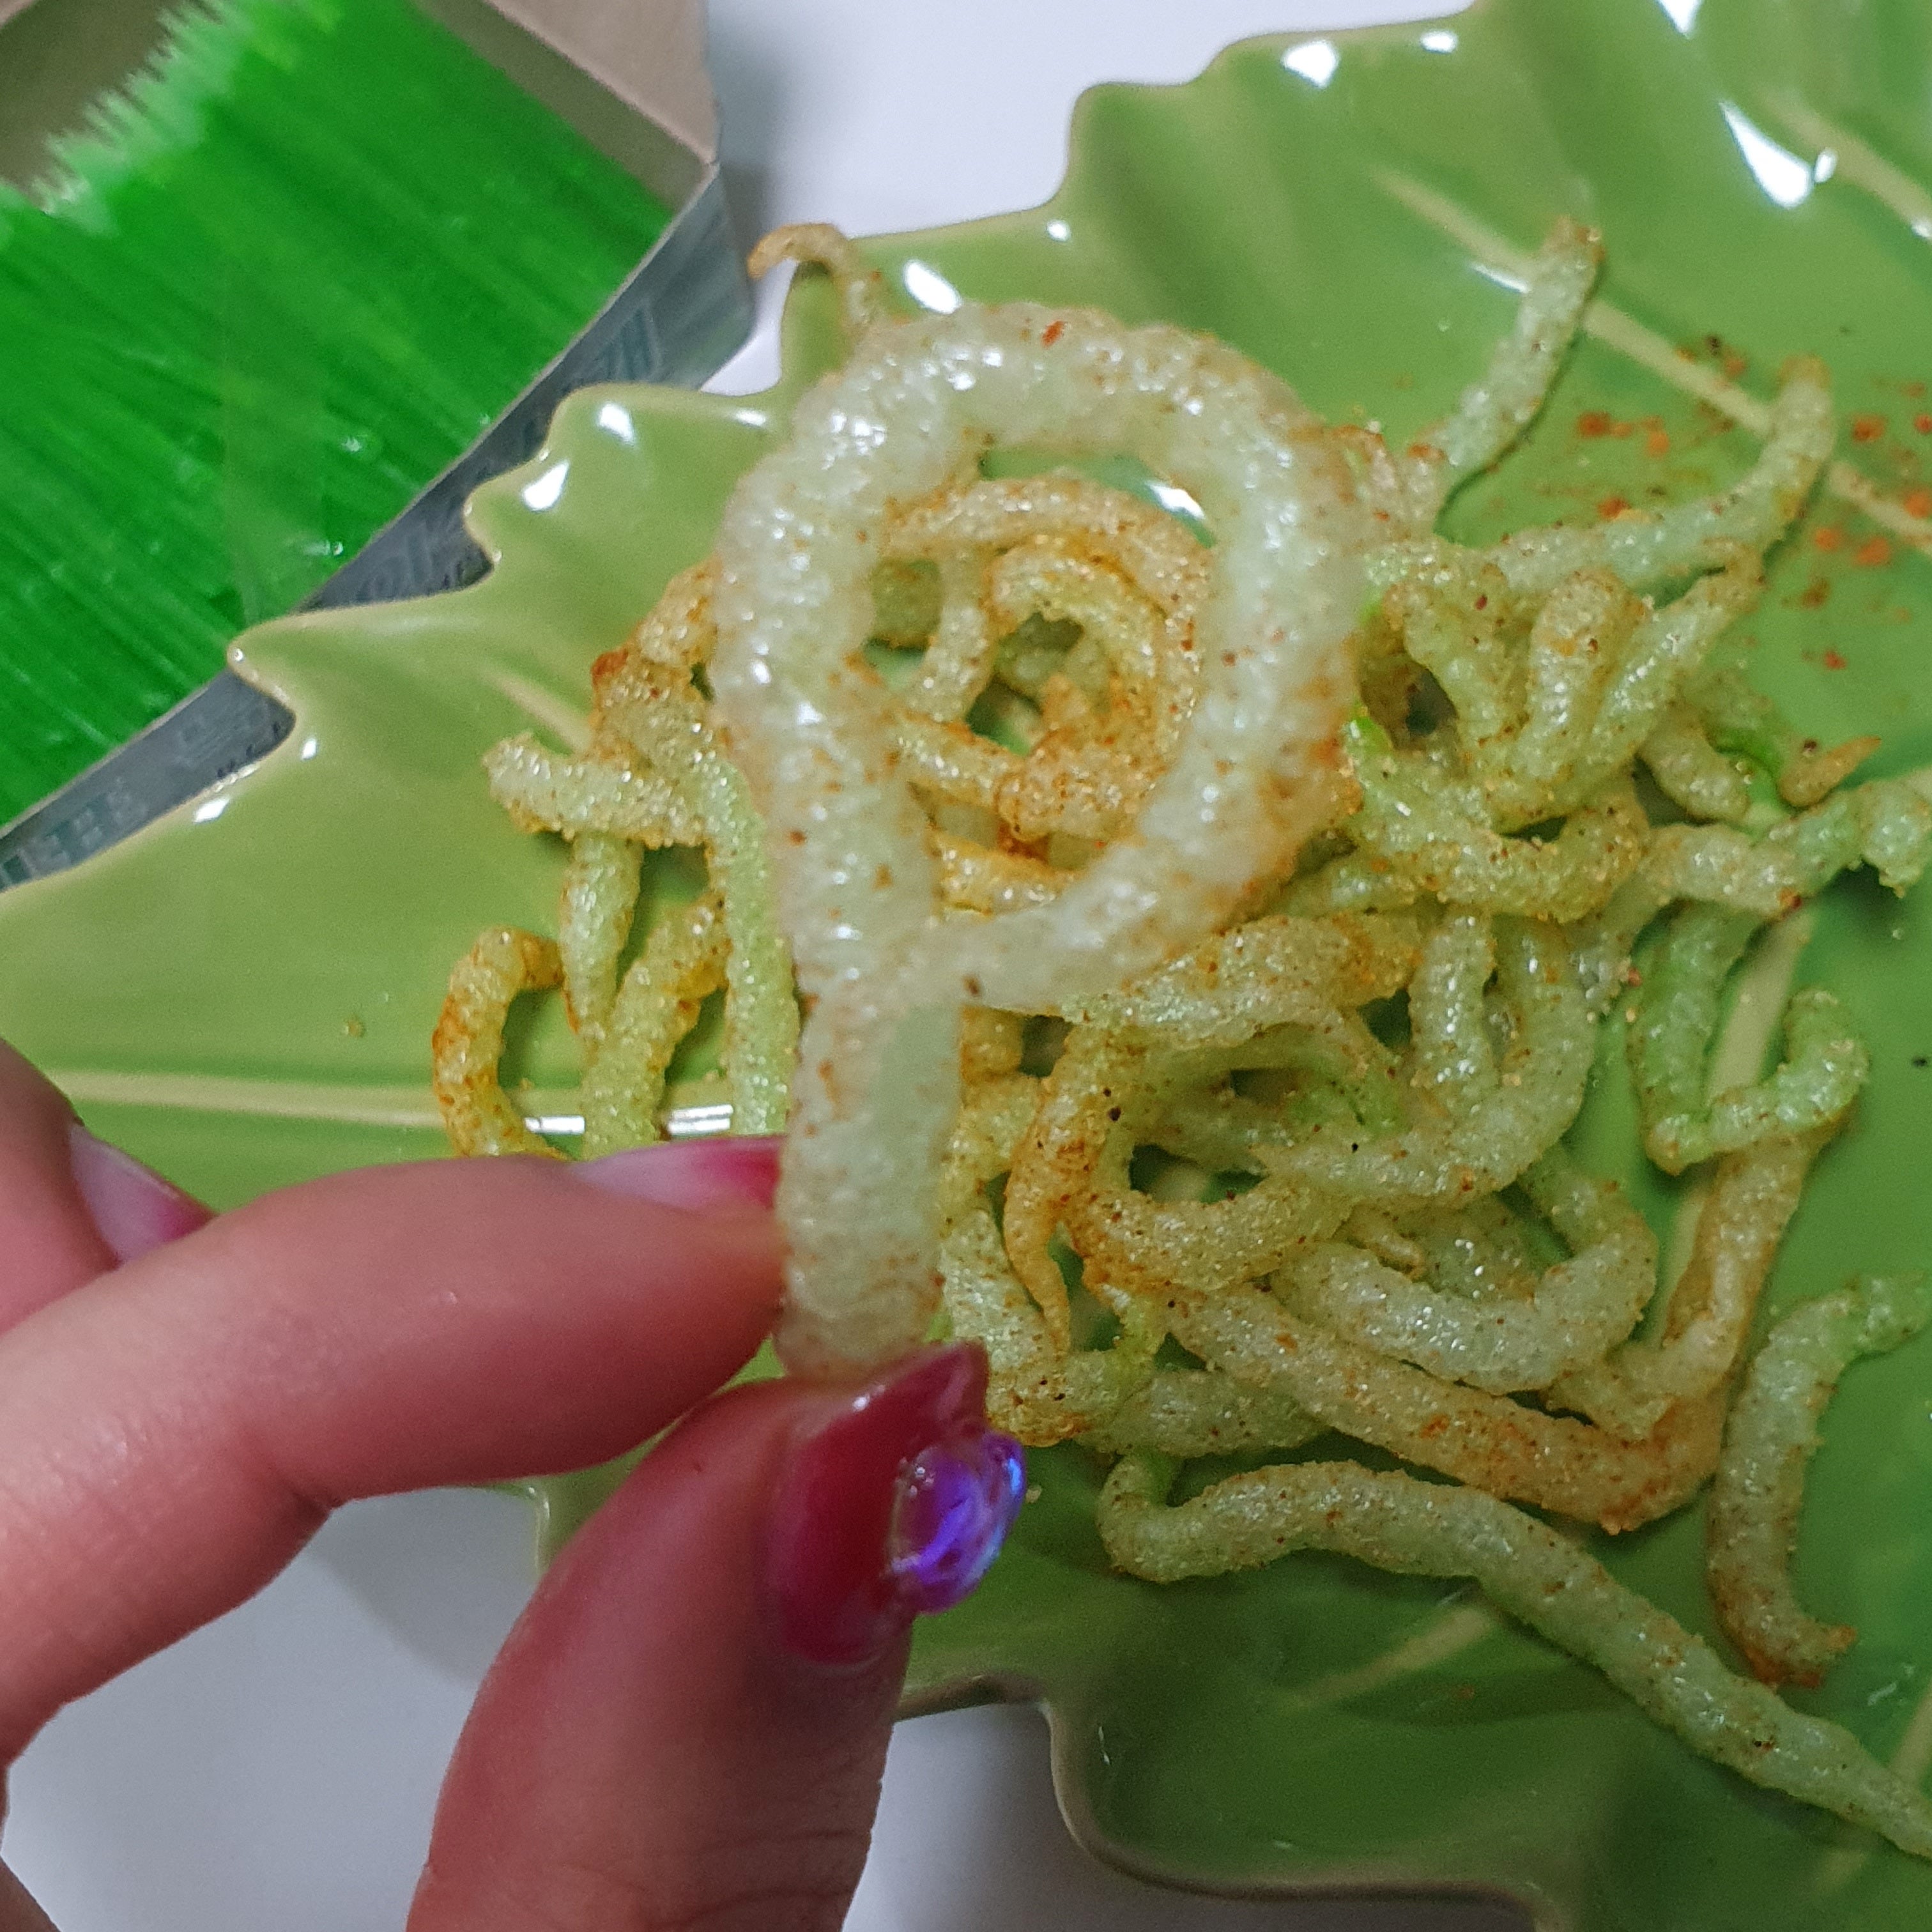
(244, 994)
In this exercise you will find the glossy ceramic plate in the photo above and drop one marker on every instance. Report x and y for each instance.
(244, 994)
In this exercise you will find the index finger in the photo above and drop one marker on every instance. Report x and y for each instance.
(170, 1435)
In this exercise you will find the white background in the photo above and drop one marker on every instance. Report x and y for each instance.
(276, 1772)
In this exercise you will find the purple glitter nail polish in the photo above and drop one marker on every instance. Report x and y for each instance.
(956, 1503)
(896, 1504)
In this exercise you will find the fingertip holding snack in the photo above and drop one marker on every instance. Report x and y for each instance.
(1204, 950)
(702, 1176)
(133, 1208)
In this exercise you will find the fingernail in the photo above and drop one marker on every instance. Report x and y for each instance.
(134, 1209)
(896, 1506)
(697, 1175)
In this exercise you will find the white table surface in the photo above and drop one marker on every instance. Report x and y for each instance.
(276, 1771)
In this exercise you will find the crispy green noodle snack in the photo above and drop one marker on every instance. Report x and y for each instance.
(1770, 1436)
(1203, 951)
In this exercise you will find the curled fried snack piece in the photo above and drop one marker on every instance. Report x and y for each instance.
(1677, 1009)
(1738, 720)
(1021, 565)
(1771, 1437)
(1397, 1522)
(912, 411)
(468, 1045)
(1690, 771)
(861, 287)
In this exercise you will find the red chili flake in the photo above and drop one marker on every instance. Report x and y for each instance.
(1612, 506)
(1595, 422)
(1483, 602)
(1831, 661)
(1815, 593)
(1052, 332)
(1922, 423)
(1868, 428)
(1918, 501)
(1874, 550)
(1621, 428)
(1828, 536)
(1657, 442)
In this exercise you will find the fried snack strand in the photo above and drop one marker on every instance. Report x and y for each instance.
(1752, 1526)
(1394, 1522)
(1642, 549)
(1036, 1390)
(543, 792)
(648, 704)
(1753, 1197)
(1489, 1442)
(1582, 1306)
(1495, 410)
(467, 1048)
(683, 962)
(975, 878)
(1677, 1008)
(1190, 1412)
(595, 912)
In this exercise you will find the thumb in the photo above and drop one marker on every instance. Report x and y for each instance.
(688, 1725)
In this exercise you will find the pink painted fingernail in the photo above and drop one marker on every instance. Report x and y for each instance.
(896, 1506)
(132, 1207)
(697, 1175)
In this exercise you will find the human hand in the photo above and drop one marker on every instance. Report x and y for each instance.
(688, 1723)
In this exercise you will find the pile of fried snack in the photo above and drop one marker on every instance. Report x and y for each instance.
(1203, 931)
